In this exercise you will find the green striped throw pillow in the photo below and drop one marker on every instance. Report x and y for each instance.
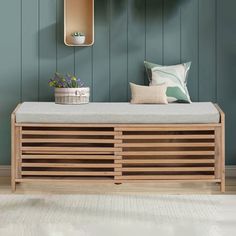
(175, 77)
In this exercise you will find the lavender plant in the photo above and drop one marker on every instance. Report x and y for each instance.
(67, 81)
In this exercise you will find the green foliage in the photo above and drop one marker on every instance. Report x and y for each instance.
(68, 81)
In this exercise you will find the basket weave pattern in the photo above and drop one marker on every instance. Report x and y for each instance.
(72, 96)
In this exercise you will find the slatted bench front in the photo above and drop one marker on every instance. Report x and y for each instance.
(117, 153)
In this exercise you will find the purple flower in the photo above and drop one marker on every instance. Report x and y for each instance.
(68, 81)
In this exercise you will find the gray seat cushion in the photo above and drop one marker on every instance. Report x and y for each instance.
(48, 112)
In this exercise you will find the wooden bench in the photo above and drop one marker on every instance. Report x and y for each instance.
(115, 152)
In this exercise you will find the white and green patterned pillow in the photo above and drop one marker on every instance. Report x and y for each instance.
(175, 78)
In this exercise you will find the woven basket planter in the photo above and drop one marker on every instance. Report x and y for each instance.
(72, 96)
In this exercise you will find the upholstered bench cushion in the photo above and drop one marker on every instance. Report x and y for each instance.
(48, 112)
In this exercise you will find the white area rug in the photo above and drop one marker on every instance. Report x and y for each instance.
(57, 215)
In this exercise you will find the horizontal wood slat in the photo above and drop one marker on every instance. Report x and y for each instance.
(166, 153)
(118, 153)
(66, 132)
(123, 127)
(70, 152)
(73, 165)
(151, 181)
(67, 180)
(164, 169)
(167, 128)
(166, 144)
(167, 161)
(71, 157)
(68, 140)
(71, 125)
(68, 149)
(166, 177)
(102, 180)
(173, 136)
(70, 173)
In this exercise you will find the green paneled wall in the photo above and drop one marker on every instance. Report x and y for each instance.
(126, 33)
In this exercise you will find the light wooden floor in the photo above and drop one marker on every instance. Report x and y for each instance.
(161, 188)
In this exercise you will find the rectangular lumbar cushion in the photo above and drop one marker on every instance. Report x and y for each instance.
(175, 78)
(148, 94)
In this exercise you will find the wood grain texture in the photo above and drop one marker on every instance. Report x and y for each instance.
(115, 153)
(79, 16)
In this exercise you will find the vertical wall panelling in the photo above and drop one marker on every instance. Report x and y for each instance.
(154, 31)
(207, 50)
(65, 55)
(47, 46)
(118, 50)
(10, 70)
(189, 43)
(126, 32)
(136, 41)
(30, 45)
(101, 47)
(83, 66)
(172, 32)
(226, 71)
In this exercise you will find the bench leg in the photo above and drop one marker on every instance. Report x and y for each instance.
(222, 186)
(13, 185)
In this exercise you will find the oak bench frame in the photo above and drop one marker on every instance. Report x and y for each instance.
(118, 153)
